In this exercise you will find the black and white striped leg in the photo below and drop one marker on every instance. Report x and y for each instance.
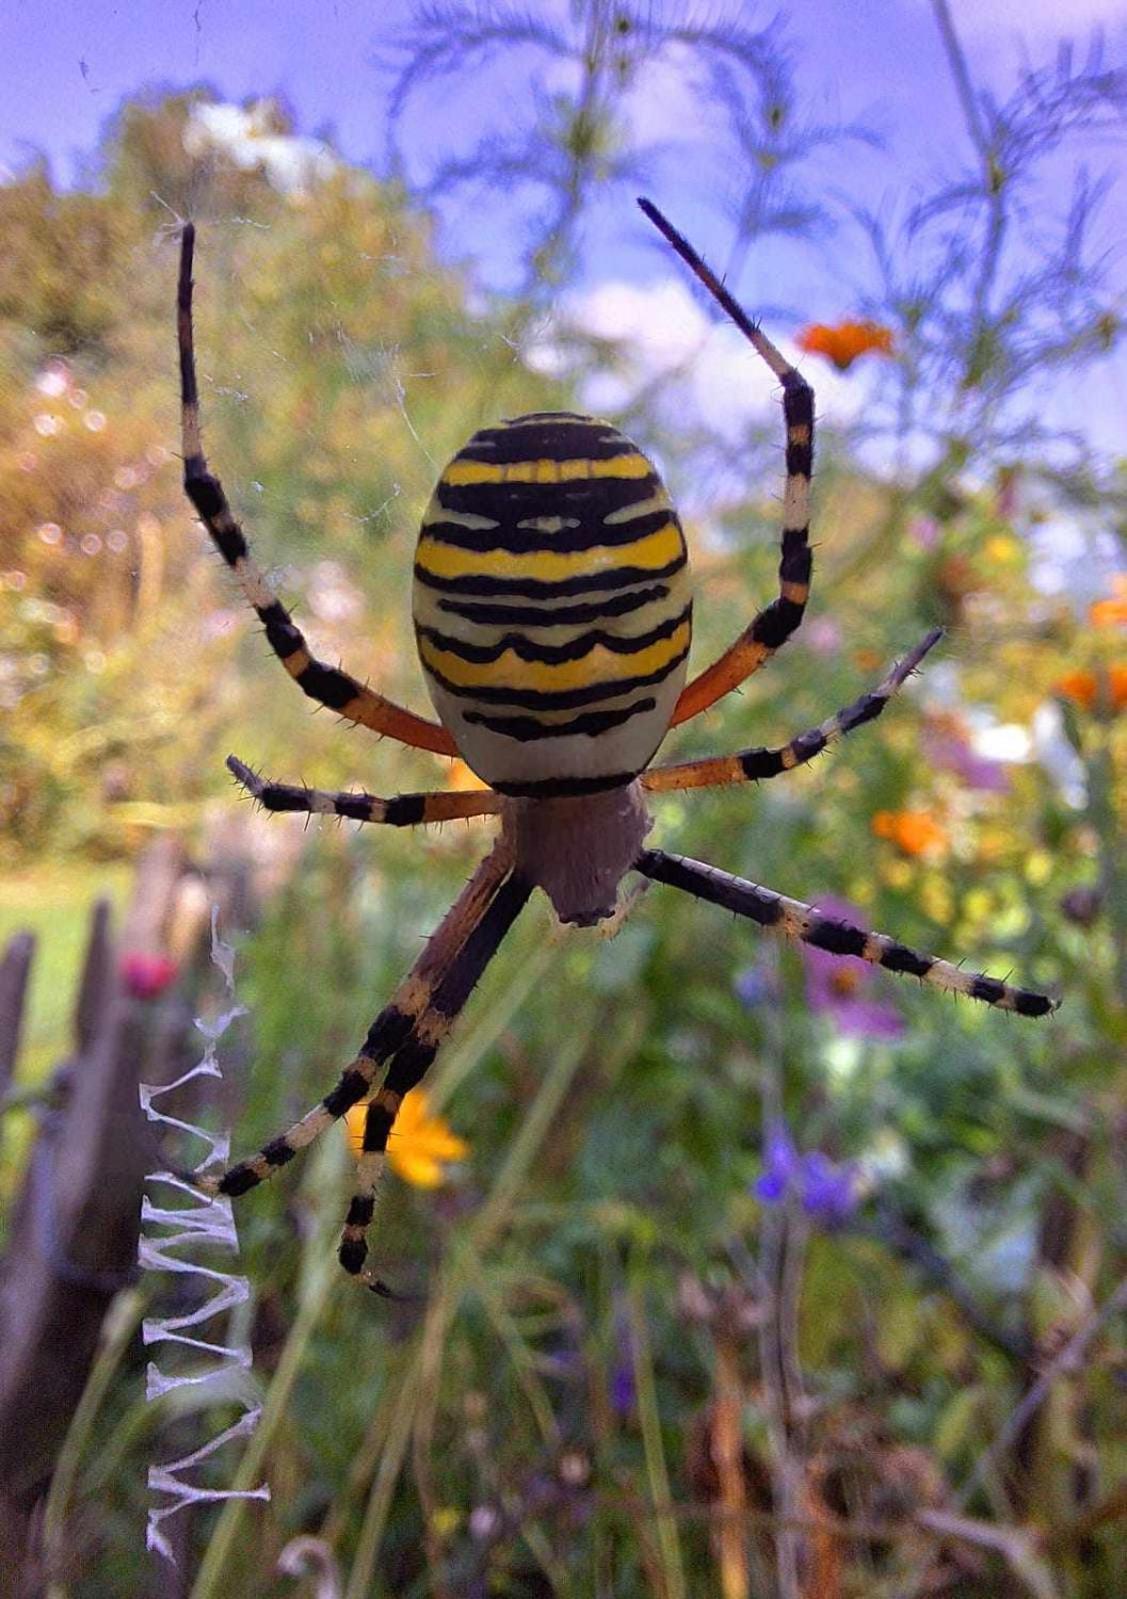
(328, 685)
(405, 810)
(754, 764)
(769, 630)
(410, 1061)
(791, 919)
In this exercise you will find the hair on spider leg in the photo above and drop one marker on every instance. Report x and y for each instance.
(241, 783)
(245, 775)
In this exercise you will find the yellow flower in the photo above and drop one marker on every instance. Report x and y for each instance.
(846, 341)
(419, 1145)
(1001, 549)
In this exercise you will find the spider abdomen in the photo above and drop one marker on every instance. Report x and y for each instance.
(551, 604)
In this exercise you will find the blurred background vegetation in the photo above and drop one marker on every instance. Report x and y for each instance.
(651, 1349)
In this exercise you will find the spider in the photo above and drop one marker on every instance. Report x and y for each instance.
(552, 614)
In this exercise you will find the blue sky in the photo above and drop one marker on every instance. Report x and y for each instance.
(66, 66)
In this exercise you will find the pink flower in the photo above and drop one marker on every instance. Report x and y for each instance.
(823, 636)
(145, 976)
(924, 531)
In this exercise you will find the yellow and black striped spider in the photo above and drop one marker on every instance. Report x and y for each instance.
(552, 611)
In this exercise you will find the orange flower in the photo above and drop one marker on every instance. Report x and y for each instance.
(1085, 688)
(419, 1145)
(867, 660)
(913, 832)
(844, 343)
(1111, 612)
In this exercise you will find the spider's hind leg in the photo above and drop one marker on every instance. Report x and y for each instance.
(793, 920)
(411, 1060)
(395, 1033)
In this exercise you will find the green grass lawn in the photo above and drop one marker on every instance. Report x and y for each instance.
(53, 902)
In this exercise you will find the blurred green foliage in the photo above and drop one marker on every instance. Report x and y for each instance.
(546, 1419)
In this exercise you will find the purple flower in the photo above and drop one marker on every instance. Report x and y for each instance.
(826, 1191)
(839, 986)
(622, 1391)
(623, 1394)
(754, 986)
(780, 1165)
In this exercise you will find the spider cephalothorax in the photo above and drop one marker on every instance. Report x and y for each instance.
(553, 617)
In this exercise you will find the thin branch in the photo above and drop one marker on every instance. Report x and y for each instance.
(960, 71)
(1067, 1359)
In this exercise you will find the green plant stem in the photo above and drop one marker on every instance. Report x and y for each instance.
(1113, 865)
(650, 1417)
(319, 1277)
(523, 1362)
(120, 1324)
(361, 1578)
(960, 71)
(464, 1056)
(459, 1270)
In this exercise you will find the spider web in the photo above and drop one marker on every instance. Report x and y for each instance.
(203, 1224)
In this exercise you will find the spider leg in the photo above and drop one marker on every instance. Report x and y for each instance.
(771, 628)
(328, 685)
(411, 1060)
(751, 765)
(790, 918)
(394, 1030)
(405, 810)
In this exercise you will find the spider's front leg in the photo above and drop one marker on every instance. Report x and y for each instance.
(328, 685)
(769, 630)
(405, 810)
(755, 764)
(793, 920)
(405, 1037)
